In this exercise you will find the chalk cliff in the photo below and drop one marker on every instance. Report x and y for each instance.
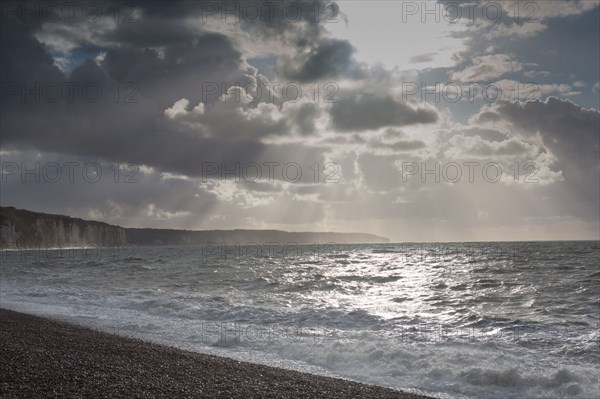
(26, 229)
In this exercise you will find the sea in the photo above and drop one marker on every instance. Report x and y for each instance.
(452, 320)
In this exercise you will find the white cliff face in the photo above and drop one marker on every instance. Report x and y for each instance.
(8, 234)
(107, 235)
(58, 232)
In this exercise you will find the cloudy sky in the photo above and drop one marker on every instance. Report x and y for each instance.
(418, 121)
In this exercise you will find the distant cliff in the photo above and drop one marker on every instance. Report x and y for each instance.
(189, 237)
(25, 229)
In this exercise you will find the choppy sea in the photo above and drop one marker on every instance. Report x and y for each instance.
(453, 320)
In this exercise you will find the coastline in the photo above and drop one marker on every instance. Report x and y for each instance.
(42, 357)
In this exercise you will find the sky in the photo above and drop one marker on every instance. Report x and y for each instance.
(413, 120)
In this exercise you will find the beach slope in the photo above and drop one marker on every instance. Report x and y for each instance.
(42, 358)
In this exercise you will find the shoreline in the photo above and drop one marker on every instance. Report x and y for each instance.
(42, 356)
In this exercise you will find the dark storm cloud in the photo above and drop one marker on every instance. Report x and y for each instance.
(569, 131)
(146, 67)
(194, 69)
(422, 58)
(355, 111)
(543, 46)
(330, 59)
(304, 120)
(297, 25)
(24, 58)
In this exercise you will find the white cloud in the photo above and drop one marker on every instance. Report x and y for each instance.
(179, 108)
(487, 67)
